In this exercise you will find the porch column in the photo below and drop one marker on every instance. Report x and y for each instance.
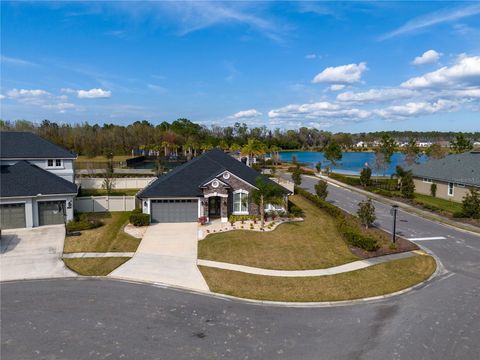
(224, 209)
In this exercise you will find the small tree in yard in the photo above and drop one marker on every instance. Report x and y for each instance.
(408, 186)
(297, 175)
(321, 189)
(108, 182)
(433, 190)
(365, 176)
(265, 193)
(366, 212)
(318, 166)
(471, 204)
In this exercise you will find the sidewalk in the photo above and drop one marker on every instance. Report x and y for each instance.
(409, 208)
(97, 255)
(356, 265)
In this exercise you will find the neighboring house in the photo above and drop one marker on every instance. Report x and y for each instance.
(454, 175)
(36, 181)
(214, 185)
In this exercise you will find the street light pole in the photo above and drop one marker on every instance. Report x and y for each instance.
(393, 212)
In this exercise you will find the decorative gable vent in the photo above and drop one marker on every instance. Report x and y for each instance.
(226, 175)
(215, 184)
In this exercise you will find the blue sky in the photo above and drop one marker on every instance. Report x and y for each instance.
(350, 66)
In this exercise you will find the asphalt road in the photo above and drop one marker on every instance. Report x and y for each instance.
(105, 319)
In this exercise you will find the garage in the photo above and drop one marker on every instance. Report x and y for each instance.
(12, 216)
(174, 210)
(50, 213)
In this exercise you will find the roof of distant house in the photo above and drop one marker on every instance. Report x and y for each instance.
(25, 179)
(27, 145)
(187, 179)
(460, 169)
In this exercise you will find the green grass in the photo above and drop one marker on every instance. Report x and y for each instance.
(102, 192)
(109, 237)
(312, 244)
(442, 204)
(372, 281)
(95, 266)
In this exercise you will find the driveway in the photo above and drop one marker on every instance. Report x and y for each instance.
(167, 255)
(33, 253)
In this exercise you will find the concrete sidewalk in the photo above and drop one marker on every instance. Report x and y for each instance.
(167, 255)
(356, 265)
(97, 255)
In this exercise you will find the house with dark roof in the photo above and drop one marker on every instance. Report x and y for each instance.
(214, 185)
(36, 181)
(454, 175)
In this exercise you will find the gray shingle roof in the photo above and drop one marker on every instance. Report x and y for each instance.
(27, 145)
(461, 168)
(25, 179)
(185, 180)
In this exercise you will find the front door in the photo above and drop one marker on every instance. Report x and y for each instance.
(214, 206)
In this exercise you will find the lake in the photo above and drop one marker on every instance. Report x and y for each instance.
(351, 163)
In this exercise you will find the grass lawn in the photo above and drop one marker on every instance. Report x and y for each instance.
(373, 281)
(83, 158)
(95, 266)
(109, 237)
(312, 244)
(445, 205)
(102, 192)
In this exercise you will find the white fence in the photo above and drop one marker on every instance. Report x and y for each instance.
(119, 183)
(104, 203)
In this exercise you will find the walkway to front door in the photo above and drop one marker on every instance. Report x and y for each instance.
(167, 255)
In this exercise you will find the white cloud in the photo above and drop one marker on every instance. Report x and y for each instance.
(311, 56)
(376, 95)
(94, 94)
(345, 74)
(413, 109)
(428, 57)
(61, 107)
(336, 87)
(432, 19)
(246, 114)
(68, 91)
(2, 97)
(464, 73)
(15, 61)
(25, 93)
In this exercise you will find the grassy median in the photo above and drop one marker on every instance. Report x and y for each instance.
(95, 266)
(312, 244)
(373, 281)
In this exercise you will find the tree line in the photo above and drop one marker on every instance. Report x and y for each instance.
(187, 136)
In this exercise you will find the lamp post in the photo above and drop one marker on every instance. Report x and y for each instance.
(393, 212)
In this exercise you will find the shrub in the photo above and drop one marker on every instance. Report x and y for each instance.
(471, 204)
(294, 210)
(458, 214)
(139, 219)
(384, 192)
(365, 176)
(321, 189)
(234, 218)
(408, 186)
(355, 237)
(433, 190)
(297, 176)
(202, 220)
(354, 181)
(84, 221)
(302, 170)
(366, 212)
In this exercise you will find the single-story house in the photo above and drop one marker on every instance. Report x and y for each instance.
(36, 181)
(454, 175)
(214, 185)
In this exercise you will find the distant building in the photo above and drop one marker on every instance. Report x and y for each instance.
(454, 175)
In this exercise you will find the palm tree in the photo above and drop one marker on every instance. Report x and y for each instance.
(253, 148)
(266, 193)
(165, 145)
(206, 146)
(274, 149)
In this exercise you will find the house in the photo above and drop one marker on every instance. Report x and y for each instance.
(36, 181)
(454, 175)
(214, 185)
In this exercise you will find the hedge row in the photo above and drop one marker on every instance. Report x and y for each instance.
(348, 226)
(354, 181)
(303, 171)
(137, 218)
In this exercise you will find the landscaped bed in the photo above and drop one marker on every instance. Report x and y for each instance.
(95, 266)
(372, 281)
(108, 237)
(312, 244)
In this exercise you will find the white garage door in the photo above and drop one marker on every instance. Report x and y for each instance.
(174, 210)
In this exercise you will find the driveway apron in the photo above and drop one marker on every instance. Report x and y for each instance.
(167, 254)
(33, 253)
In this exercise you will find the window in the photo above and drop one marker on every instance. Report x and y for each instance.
(53, 163)
(50, 163)
(450, 189)
(240, 202)
(58, 163)
(426, 180)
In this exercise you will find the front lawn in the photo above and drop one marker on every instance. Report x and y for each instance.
(108, 237)
(372, 281)
(102, 192)
(435, 202)
(95, 266)
(312, 244)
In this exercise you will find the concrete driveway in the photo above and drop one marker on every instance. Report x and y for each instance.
(167, 255)
(33, 253)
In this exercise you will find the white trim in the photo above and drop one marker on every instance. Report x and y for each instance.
(215, 178)
(37, 196)
(452, 193)
(239, 178)
(215, 194)
(239, 191)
